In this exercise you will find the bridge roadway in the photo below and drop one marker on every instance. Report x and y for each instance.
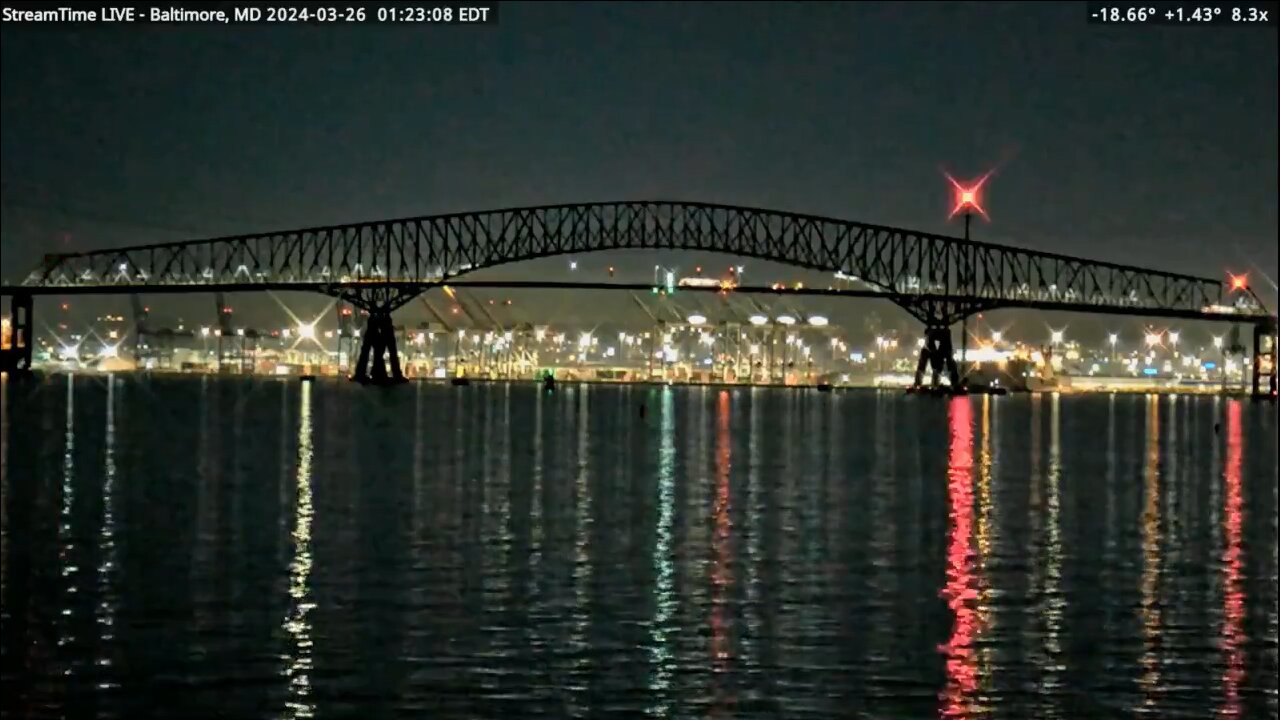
(381, 265)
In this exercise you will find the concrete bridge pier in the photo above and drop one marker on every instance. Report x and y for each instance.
(938, 355)
(17, 357)
(379, 360)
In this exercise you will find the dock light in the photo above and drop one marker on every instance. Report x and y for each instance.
(758, 320)
(818, 321)
(697, 319)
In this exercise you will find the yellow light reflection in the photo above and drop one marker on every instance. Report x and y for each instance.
(721, 574)
(664, 595)
(297, 623)
(1149, 680)
(986, 529)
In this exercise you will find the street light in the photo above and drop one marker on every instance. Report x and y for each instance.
(996, 336)
(697, 319)
(817, 321)
(1056, 337)
(758, 320)
(1153, 339)
(1217, 341)
(307, 331)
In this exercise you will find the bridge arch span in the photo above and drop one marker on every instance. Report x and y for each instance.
(937, 278)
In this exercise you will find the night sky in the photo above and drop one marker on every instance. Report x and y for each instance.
(1153, 146)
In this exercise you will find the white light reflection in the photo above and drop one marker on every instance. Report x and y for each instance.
(535, 532)
(1055, 601)
(66, 539)
(582, 551)
(664, 595)
(297, 624)
(107, 543)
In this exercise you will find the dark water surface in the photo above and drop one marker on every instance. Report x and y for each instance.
(201, 548)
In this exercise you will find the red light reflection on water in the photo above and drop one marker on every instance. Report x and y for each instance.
(960, 591)
(1232, 641)
(721, 574)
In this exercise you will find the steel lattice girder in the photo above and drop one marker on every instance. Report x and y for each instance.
(427, 250)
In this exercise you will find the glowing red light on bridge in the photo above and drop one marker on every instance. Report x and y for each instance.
(1239, 282)
(968, 196)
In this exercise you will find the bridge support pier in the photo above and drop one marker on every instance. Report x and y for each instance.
(938, 355)
(379, 361)
(1264, 361)
(17, 358)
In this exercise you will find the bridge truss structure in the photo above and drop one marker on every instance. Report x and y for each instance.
(380, 266)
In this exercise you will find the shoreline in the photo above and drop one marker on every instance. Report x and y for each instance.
(901, 389)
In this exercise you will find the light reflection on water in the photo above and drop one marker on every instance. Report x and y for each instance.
(297, 624)
(226, 548)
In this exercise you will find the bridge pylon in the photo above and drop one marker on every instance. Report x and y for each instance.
(379, 359)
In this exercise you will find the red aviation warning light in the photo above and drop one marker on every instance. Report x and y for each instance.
(967, 196)
(1239, 282)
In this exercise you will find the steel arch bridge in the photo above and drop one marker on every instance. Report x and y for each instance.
(381, 265)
